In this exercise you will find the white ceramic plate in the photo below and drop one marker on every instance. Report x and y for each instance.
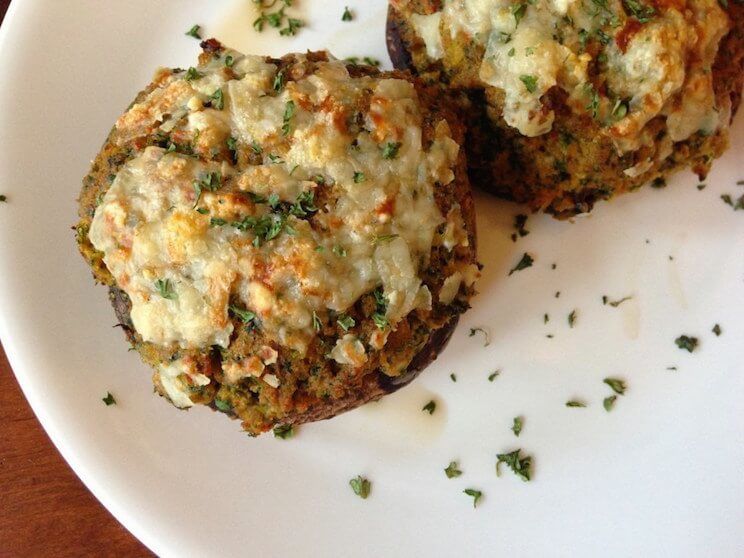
(658, 476)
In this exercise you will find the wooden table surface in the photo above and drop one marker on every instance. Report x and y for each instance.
(44, 508)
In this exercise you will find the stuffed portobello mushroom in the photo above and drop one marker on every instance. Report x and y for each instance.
(573, 101)
(283, 239)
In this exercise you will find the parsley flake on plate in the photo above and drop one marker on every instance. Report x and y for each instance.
(572, 318)
(194, 32)
(361, 486)
(523, 263)
(609, 402)
(476, 494)
(109, 399)
(284, 431)
(452, 471)
(347, 15)
(492, 376)
(618, 386)
(520, 466)
(686, 343)
(517, 426)
(430, 407)
(717, 330)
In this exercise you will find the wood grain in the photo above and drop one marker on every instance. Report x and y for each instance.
(44, 509)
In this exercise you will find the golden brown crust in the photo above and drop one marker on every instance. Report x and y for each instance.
(312, 388)
(543, 171)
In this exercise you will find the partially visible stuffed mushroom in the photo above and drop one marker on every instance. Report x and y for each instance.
(570, 102)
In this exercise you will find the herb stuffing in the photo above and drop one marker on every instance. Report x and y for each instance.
(574, 403)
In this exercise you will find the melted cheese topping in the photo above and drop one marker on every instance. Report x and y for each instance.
(180, 235)
(662, 69)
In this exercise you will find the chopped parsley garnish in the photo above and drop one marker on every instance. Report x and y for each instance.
(557, 294)
(276, 19)
(615, 303)
(430, 407)
(476, 494)
(109, 399)
(486, 336)
(278, 84)
(361, 486)
(345, 322)
(222, 405)
(493, 375)
(246, 316)
(192, 74)
(524, 263)
(728, 201)
(380, 310)
(717, 330)
(618, 386)
(518, 11)
(284, 431)
(390, 150)
(339, 250)
(517, 426)
(347, 15)
(658, 182)
(218, 99)
(453, 377)
(359, 177)
(609, 402)
(546, 318)
(671, 368)
(194, 32)
(511, 52)
(266, 227)
(232, 144)
(641, 11)
(289, 111)
(700, 186)
(593, 104)
(686, 343)
(317, 324)
(574, 403)
(3, 198)
(452, 471)
(572, 318)
(619, 110)
(217, 222)
(229, 60)
(210, 181)
(165, 289)
(530, 82)
(520, 466)
(257, 149)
